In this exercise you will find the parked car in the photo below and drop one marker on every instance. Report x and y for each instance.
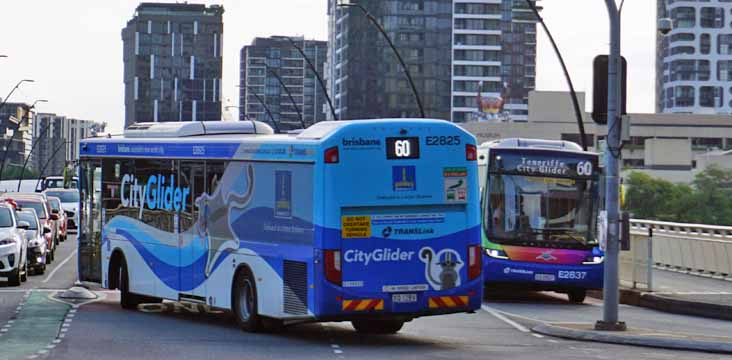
(13, 247)
(57, 182)
(35, 235)
(56, 208)
(40, 204)
(70, 204)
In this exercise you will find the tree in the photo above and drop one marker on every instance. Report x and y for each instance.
(708, 200)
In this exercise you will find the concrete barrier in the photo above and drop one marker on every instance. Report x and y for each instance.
(695, 248)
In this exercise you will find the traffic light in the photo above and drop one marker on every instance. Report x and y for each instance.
(599, 88)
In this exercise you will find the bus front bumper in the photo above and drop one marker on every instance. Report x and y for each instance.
(537, 276)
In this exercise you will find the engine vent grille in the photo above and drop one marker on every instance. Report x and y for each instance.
(295, 290)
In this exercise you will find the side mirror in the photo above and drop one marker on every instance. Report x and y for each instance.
(54, 211)
(46, 230)
(23, 225)
(54, 216)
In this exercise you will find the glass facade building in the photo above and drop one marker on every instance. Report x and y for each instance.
(265, 57)
(453, 48)
(173, 63)
(694, 61)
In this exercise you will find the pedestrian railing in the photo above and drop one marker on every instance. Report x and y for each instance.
(693, 248)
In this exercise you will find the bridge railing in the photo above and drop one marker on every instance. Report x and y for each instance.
(693, 248)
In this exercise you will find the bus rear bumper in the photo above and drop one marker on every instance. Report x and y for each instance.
(343, 305)
(536, 276)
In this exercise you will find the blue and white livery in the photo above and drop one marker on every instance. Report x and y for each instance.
(375, 222)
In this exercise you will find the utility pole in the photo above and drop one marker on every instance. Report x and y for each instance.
(611, 291)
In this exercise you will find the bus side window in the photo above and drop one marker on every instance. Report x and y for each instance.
(191, 175)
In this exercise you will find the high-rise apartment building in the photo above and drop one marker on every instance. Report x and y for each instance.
(455, 50)
(694, 61)
(173, 63)
(260, 65)
(58, 138)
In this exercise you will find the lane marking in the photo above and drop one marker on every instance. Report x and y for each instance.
(538, 336)
(73, 253)
(506, 320)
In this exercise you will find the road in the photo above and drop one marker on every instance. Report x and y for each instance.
(102, 330)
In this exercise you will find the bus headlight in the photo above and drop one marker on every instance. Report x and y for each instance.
(498, 254)
(593, 260)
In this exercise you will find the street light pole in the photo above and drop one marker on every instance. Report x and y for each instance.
(317, 75)
(33, 147)
(612, 181)
(12, 91)
(10, 142)
(292, 99)
(572, 93)
(48, 162)
(378, 26)
(266, 108)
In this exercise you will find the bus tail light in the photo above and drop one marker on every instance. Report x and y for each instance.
(333, 266)
(471, 152)
(474, 261)
(331, 155)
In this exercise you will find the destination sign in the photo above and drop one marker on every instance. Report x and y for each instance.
(532, 162)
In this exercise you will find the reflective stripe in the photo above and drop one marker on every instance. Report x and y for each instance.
(363, 305)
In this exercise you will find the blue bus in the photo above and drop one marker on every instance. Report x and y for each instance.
(540, 200)
(376, 222)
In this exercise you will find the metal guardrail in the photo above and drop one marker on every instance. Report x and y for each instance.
(693, 248)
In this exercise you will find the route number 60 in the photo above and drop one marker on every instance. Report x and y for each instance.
(584, 168)
(402, 148)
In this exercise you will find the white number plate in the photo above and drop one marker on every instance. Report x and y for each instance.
(404, 298)
(545, 277)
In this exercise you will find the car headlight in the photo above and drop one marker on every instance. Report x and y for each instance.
(498, 254)
(7, 242)
(593, 260)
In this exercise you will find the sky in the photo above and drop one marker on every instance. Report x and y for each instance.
(73, 48)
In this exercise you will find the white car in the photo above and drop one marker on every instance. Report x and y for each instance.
(36, 241)
(13, 247)
(70, 204)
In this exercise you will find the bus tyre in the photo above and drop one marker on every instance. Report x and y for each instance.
(245, 302)
(127, 299)
(577, 296)
(377, 326)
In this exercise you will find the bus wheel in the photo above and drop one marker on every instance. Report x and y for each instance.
(577, 296)
(377, 326)
(128, 300)
(245, 301)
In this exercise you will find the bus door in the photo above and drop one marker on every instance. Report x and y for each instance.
(192, 243)
(91, 222)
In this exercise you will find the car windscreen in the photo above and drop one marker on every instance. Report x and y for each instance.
(37, 206)
(30, 218)
(6, 218)
(65, 196)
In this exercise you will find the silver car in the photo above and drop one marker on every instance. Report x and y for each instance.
(36, 241)
(13, 247)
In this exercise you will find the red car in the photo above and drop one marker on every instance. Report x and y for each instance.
(62, 218)
(45, 215)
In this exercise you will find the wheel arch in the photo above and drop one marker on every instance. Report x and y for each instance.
(117, 258)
